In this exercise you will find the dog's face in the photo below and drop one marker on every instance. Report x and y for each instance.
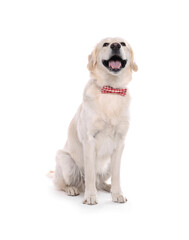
(113, 56)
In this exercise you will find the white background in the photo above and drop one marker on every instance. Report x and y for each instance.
(44, 47)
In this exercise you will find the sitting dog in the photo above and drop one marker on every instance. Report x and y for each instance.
(95, 142)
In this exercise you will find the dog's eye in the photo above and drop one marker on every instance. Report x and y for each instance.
(123, 44)
(105, 44)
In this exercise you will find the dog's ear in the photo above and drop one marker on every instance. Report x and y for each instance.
(92, 60)
(133, 66)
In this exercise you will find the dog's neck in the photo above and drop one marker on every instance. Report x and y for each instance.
(118, 81)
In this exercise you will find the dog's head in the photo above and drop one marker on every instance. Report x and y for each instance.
(112, 57)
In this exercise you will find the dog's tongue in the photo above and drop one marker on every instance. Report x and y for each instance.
(114, 64)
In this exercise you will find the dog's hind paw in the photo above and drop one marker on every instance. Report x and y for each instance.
(72, 191)
(106, 187)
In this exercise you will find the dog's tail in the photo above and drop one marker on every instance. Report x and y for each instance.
(50, 174)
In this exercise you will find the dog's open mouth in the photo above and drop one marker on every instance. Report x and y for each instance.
(115, 63)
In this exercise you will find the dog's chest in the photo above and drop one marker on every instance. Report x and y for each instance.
(105, 140)
(111, 107)
(111, 124)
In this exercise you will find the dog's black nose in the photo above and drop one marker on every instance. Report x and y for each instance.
(115, 46)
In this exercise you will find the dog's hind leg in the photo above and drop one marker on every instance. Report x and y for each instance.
(67, 175)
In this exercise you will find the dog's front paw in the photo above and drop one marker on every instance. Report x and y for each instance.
(118, 197)
(90, 199)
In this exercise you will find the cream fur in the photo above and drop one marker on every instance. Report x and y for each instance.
(96, 134)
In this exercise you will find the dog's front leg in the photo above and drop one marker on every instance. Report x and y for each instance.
(90, 172)
(117, 195)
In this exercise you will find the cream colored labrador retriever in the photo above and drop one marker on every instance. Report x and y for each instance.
(96, 134)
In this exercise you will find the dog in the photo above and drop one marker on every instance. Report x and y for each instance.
(96, 134)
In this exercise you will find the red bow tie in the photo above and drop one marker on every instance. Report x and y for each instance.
(119, 91)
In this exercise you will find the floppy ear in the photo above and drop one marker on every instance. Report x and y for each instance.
(134, 66)
(92, 60)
